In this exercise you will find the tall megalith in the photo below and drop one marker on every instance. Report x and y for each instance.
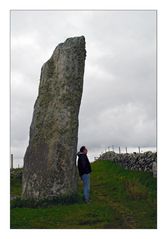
(50, 158)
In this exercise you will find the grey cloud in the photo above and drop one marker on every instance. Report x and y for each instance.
(119, 98)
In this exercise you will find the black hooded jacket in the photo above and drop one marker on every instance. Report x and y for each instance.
(84, 166)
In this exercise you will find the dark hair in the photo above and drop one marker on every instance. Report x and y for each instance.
(82, 148)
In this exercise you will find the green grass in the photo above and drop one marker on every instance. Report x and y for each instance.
(15, 181)
(119, 199)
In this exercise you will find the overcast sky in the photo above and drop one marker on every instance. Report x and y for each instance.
(118, 106)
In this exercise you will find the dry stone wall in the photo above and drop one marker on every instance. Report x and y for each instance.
(135, 161)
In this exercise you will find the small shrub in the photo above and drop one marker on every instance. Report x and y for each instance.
(16, 174)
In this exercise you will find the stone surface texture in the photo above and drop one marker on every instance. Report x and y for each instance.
(135, 161)
(50, 158)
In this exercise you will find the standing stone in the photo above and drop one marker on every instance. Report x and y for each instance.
(50, 158)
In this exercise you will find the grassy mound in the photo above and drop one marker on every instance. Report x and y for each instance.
(119, 199)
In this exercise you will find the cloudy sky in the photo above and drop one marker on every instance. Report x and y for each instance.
(119, 96)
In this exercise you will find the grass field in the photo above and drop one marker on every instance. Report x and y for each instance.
(119, 199)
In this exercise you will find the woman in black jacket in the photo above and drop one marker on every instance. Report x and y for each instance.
(84, 168)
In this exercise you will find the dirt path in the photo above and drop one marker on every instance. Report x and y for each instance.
(125, 213)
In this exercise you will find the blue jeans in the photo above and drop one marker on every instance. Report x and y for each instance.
(86, 186)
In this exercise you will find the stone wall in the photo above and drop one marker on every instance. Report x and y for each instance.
(135, 161)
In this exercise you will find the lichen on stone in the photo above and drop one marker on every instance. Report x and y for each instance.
(49, 162)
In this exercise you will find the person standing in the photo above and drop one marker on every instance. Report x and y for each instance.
(84, 168)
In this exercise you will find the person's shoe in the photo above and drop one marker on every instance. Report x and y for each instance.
(87, 201)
